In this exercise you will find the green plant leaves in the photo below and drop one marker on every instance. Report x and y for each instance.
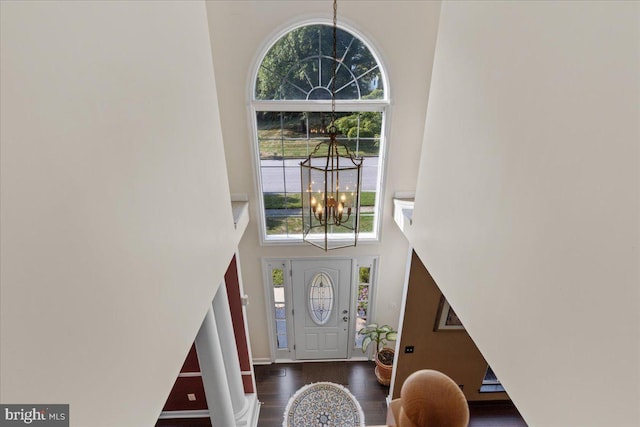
(378, 334)
(365, 343)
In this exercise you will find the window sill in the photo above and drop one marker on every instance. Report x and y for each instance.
(367, 238)
(492, 388)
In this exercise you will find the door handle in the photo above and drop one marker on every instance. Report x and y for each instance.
(345, 318)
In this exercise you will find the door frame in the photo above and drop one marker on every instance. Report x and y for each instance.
(288, 354)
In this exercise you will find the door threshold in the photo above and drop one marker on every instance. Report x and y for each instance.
(353, 359)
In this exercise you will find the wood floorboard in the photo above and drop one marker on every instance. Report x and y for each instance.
(495, 414)
(317, 372)
(277, 383)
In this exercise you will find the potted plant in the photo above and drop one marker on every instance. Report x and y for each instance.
(383, 356)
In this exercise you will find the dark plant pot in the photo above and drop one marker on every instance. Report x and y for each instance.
(384, 365)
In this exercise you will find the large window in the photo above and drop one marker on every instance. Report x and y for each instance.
(292, 109)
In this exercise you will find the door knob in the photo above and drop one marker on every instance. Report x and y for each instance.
(345, 318)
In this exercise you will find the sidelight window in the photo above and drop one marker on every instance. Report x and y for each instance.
(277, 282)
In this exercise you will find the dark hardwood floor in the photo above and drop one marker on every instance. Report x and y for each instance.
(278, 382)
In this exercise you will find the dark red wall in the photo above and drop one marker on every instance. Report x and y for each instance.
(178, 399)
(232, 281)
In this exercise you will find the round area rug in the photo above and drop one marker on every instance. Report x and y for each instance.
(323, 404)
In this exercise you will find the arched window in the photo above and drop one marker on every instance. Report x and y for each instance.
(292, 108)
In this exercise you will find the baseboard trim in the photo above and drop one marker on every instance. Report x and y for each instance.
(196, 413)
(492, 402)
(189, 374)
(248, 419)
(353, 359)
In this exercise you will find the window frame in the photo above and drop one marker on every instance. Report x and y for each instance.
(353, 106)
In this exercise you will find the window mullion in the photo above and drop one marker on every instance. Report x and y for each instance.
(284, 172)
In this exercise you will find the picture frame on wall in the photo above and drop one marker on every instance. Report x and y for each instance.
(447, 320)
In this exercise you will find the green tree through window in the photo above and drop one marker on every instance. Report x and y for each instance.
(299, 66)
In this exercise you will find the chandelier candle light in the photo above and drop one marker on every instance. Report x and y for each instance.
(331, 181)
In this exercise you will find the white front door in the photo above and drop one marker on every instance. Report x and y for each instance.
(321, 304)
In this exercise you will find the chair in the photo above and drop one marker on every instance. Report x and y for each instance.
(430, 399)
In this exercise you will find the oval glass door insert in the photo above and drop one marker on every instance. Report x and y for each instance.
(320, 298)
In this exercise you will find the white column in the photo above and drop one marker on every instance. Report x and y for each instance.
(214, 378)
(222, 312)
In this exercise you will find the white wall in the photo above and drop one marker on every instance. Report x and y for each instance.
(403, 33)
(116, 220)
(527, 207)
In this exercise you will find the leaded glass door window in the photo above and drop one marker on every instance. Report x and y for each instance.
(321, 298)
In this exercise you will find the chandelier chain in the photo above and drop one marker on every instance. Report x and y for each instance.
(334, 63)
(331, 192)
